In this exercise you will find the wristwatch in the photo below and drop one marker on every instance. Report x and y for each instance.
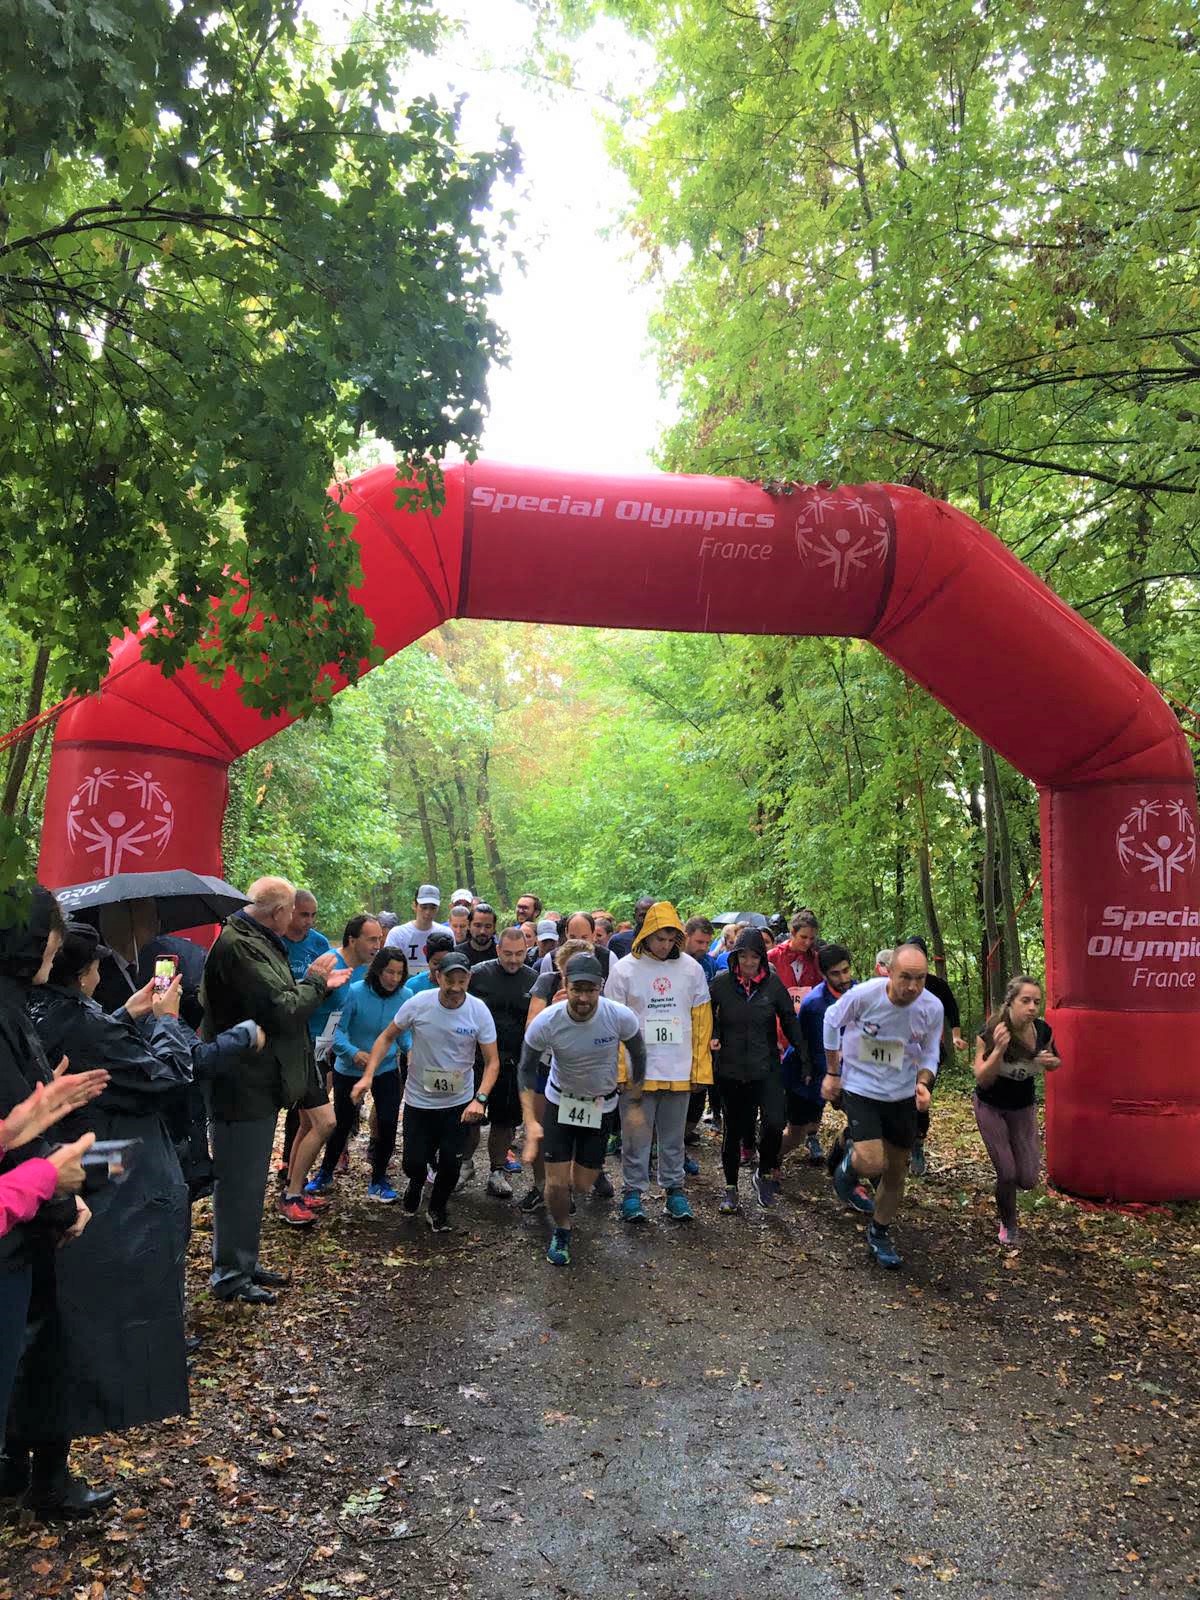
(482, 1099)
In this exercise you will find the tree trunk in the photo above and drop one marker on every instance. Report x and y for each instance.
(431, 872)
(487, 829)
(464, 823)
(932, 920)
(19, 753)
(898, 879)
(1133, 609)
(988, 880)
(1005, 865)
(446, 806)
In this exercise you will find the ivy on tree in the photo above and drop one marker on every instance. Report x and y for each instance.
(225, 253)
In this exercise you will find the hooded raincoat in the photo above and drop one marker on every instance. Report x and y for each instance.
(670, 1000)
(747, 1020)
(107, 1344)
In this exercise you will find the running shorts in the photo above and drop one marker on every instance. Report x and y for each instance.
(893, 1121)
(586, 1146)
(315, 1093)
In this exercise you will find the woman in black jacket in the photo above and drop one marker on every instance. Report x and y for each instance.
(107, 1349)
(750, 1005)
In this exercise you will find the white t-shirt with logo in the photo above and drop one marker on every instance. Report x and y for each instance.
(585, 1053)
(441, 1063)
(662, 995)
(884, 1046)
(410, 939)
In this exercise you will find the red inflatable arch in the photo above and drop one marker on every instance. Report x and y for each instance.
(138, 776)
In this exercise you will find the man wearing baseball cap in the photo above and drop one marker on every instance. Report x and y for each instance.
(547, 943)
(410, 936)
(440, 1100)
(462, 897)
(584, 1033)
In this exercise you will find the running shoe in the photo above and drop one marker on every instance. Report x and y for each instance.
(281, 1175)
(879, 1242)
(319, 1184)
(815, 1154)
(764, 1191)
(512, 1163)
(917, 1164)
(531, 1200)
(466, 1176)
(631, 1209)
(343, 1161)
(315, 1203)
(558, 1252)
(383, 1193)
(499, 1185)
(691, 1137)
(411, 1202)
(729, 1203)
(438, 1221)
(1010, 1236)
(849, 1190)
(677, 1206)
(294, 1212)
(603, 1187)
(691, 1166)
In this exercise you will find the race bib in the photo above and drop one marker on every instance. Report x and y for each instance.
(447, 1080)
(577, 1113)
(887, 1053)
(665, 1030)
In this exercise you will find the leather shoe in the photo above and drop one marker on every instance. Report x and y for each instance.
(192, 1343)
(14, 1474)
(271, 1280)
(253, 1295)
(69, 1500)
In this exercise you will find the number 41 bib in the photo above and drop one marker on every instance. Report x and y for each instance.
(887, 1053)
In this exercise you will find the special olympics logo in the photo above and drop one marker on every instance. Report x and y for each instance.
(1158, 839)
(117, 816)
(661, 986)
(848, 536)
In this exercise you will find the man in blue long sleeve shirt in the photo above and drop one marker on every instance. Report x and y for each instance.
(802, 1078)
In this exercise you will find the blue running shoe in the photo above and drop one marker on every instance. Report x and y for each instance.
(631, 1209)
(691, 1166)
(765, 1192)
(677, 1206)
(383, 1193)
(319, 1184)
(512, 1164)
(558, 1253)
(879, 1242)
(848, 1189)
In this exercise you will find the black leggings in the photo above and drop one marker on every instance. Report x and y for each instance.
(711, 1092)
(434, 1138)
(385, 1091)
(741, 1104)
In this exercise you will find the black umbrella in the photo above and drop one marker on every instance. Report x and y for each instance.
(184, 899)
(752, 919)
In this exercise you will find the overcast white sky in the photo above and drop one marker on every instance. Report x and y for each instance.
(581, 390)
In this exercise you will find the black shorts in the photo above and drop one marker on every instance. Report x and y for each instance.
(315, 1092)
(584, 1146)
(893, 1121)
(503, 1109)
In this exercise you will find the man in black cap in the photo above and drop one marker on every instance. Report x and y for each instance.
(440, 1099)
(584, 1032)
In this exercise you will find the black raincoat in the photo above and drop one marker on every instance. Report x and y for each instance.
(106, 1348)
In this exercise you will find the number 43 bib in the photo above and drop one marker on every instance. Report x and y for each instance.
(446, 1080)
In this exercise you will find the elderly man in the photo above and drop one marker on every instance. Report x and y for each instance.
(247, 975)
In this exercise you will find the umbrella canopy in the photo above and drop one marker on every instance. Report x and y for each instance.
(184, 899)
(752, 919)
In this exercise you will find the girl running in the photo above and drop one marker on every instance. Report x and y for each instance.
(1014, 1045)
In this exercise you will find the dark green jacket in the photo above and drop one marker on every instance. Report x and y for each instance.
(247, 975)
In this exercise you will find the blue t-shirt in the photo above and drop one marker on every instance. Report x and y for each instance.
(365, 1015)
(301, 953)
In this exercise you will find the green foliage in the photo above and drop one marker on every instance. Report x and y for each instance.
(224, 253)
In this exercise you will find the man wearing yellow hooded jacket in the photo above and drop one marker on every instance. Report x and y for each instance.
(668, 993)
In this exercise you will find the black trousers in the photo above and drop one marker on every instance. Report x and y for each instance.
(386, 1090)
(434, 1138)
(741, 1104)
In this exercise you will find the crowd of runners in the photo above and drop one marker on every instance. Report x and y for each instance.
(590, 1051)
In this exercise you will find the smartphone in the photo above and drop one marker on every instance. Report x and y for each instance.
(115, 1156)
(165, 968)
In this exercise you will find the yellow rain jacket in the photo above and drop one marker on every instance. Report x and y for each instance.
(670, 999)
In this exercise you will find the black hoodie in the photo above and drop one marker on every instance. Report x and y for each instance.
(745, 1023)
(22, 1059)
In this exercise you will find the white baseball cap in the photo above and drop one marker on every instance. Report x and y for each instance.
(547, 930)
(429, 895)
(462, 897)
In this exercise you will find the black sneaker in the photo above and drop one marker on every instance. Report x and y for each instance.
(438, 1221)
(881, 1247)
(531, 1201)
(411, 1202)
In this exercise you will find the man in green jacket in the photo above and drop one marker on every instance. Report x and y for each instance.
(247, 975)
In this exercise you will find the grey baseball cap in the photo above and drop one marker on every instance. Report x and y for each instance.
(429, 895)
(546, 929)
(452, 961)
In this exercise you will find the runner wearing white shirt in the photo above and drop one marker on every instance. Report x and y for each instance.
(584, 1034)
(881, 1050)
(440, 1100)
(411, 936)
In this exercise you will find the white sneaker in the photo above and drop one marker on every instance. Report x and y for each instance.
(499, 1185)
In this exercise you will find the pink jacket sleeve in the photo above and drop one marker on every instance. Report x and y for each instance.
(23, 1190)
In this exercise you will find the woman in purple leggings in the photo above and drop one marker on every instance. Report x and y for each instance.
(1014, 1045)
